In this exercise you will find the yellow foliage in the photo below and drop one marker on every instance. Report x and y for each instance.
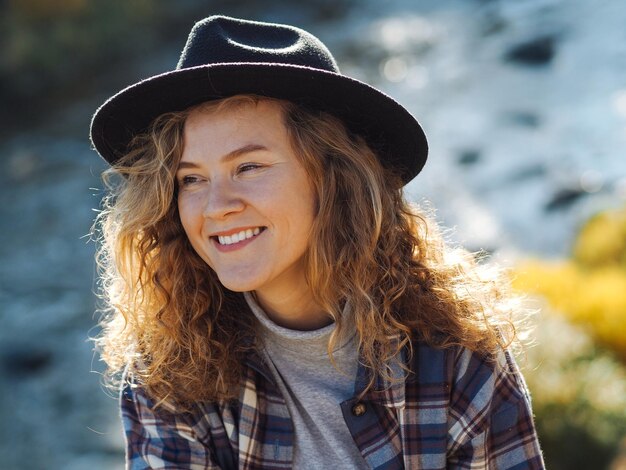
(602, 241)
(590, 289)
(593, 298)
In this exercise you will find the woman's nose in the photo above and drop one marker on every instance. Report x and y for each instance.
(222, 200)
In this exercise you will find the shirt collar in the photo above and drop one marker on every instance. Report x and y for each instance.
(256, 363)
(390, 394)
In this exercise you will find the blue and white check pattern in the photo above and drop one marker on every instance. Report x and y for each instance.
(454, 411)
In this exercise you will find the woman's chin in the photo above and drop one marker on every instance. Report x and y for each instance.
(238, 284)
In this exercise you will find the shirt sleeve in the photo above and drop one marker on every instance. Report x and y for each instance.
(491, 424)
(157, 439)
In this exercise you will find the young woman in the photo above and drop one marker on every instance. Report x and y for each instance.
(271, 298)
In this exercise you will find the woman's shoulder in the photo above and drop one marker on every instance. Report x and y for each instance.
(468, 375)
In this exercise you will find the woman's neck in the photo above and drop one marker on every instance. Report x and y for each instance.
(296, 310)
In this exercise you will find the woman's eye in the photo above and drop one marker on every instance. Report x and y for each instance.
(187, 180)
(247, 167)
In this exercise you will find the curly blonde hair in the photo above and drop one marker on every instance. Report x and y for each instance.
(184, 336)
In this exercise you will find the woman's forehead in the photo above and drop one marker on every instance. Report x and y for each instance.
(237, 102)
(261, 113)
(219, 130)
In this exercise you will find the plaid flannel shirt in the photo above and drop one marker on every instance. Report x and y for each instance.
(455, 411)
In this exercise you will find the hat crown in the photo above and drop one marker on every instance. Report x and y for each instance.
(221, 39)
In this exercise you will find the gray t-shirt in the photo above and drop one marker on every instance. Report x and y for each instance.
(313, 389)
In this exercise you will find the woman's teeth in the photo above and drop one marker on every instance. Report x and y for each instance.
(237, 237)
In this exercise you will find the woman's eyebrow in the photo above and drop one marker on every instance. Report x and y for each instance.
(183, 165)
(228, 157)
(241, 151)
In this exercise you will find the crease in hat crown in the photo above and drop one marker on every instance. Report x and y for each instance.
(221, 39)
(226, 56)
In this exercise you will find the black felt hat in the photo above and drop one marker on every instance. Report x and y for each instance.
(227, 56)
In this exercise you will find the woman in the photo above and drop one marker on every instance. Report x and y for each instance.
(272, 299)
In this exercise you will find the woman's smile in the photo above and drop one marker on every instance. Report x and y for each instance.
(236, 239)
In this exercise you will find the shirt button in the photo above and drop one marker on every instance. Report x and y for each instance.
(359, 409)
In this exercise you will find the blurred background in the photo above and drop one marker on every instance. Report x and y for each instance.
(524, 103)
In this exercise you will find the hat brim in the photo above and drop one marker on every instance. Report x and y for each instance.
(386, 125)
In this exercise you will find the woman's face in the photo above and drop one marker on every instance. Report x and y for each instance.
(245, 201)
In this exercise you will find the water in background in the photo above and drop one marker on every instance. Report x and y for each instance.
(524, 103)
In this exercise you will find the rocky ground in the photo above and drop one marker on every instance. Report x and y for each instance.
(524, 103)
